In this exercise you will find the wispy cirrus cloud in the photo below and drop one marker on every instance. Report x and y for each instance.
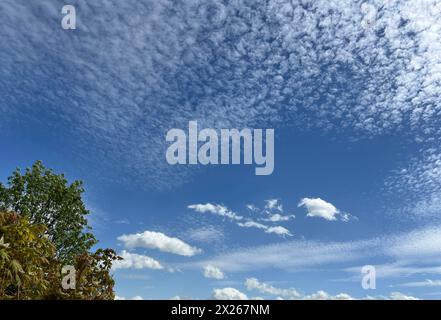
(370, 66)
(216, 209)
(239, 220)
(425, 283)
(206, 234)
(415, 252)
(418, 186)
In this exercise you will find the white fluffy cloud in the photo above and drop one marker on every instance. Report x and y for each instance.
(229, 294)
(160, 241)
(213, 272)
(317, 207)
(265, 288)
(323, 295)
(320, 208)
(291, 293)
(401, 296)
(136, 261)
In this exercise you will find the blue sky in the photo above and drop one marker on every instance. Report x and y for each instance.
(352, 89)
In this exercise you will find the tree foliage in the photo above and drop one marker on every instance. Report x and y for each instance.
(43, 228)
(26, 257)
(44, 197)
(30, 269)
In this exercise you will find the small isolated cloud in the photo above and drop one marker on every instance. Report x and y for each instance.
(160, 241)
(228, 294)
(217, 209)
(317, 207)
(213, 272)
(273, 204)
(136, 261)
(265, 288)
(401, 296)
(346, 217)
(281, 231)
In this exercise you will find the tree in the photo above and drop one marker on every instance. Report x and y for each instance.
(46, 198)
(93, 277)
(26, 257)
(29, 268)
